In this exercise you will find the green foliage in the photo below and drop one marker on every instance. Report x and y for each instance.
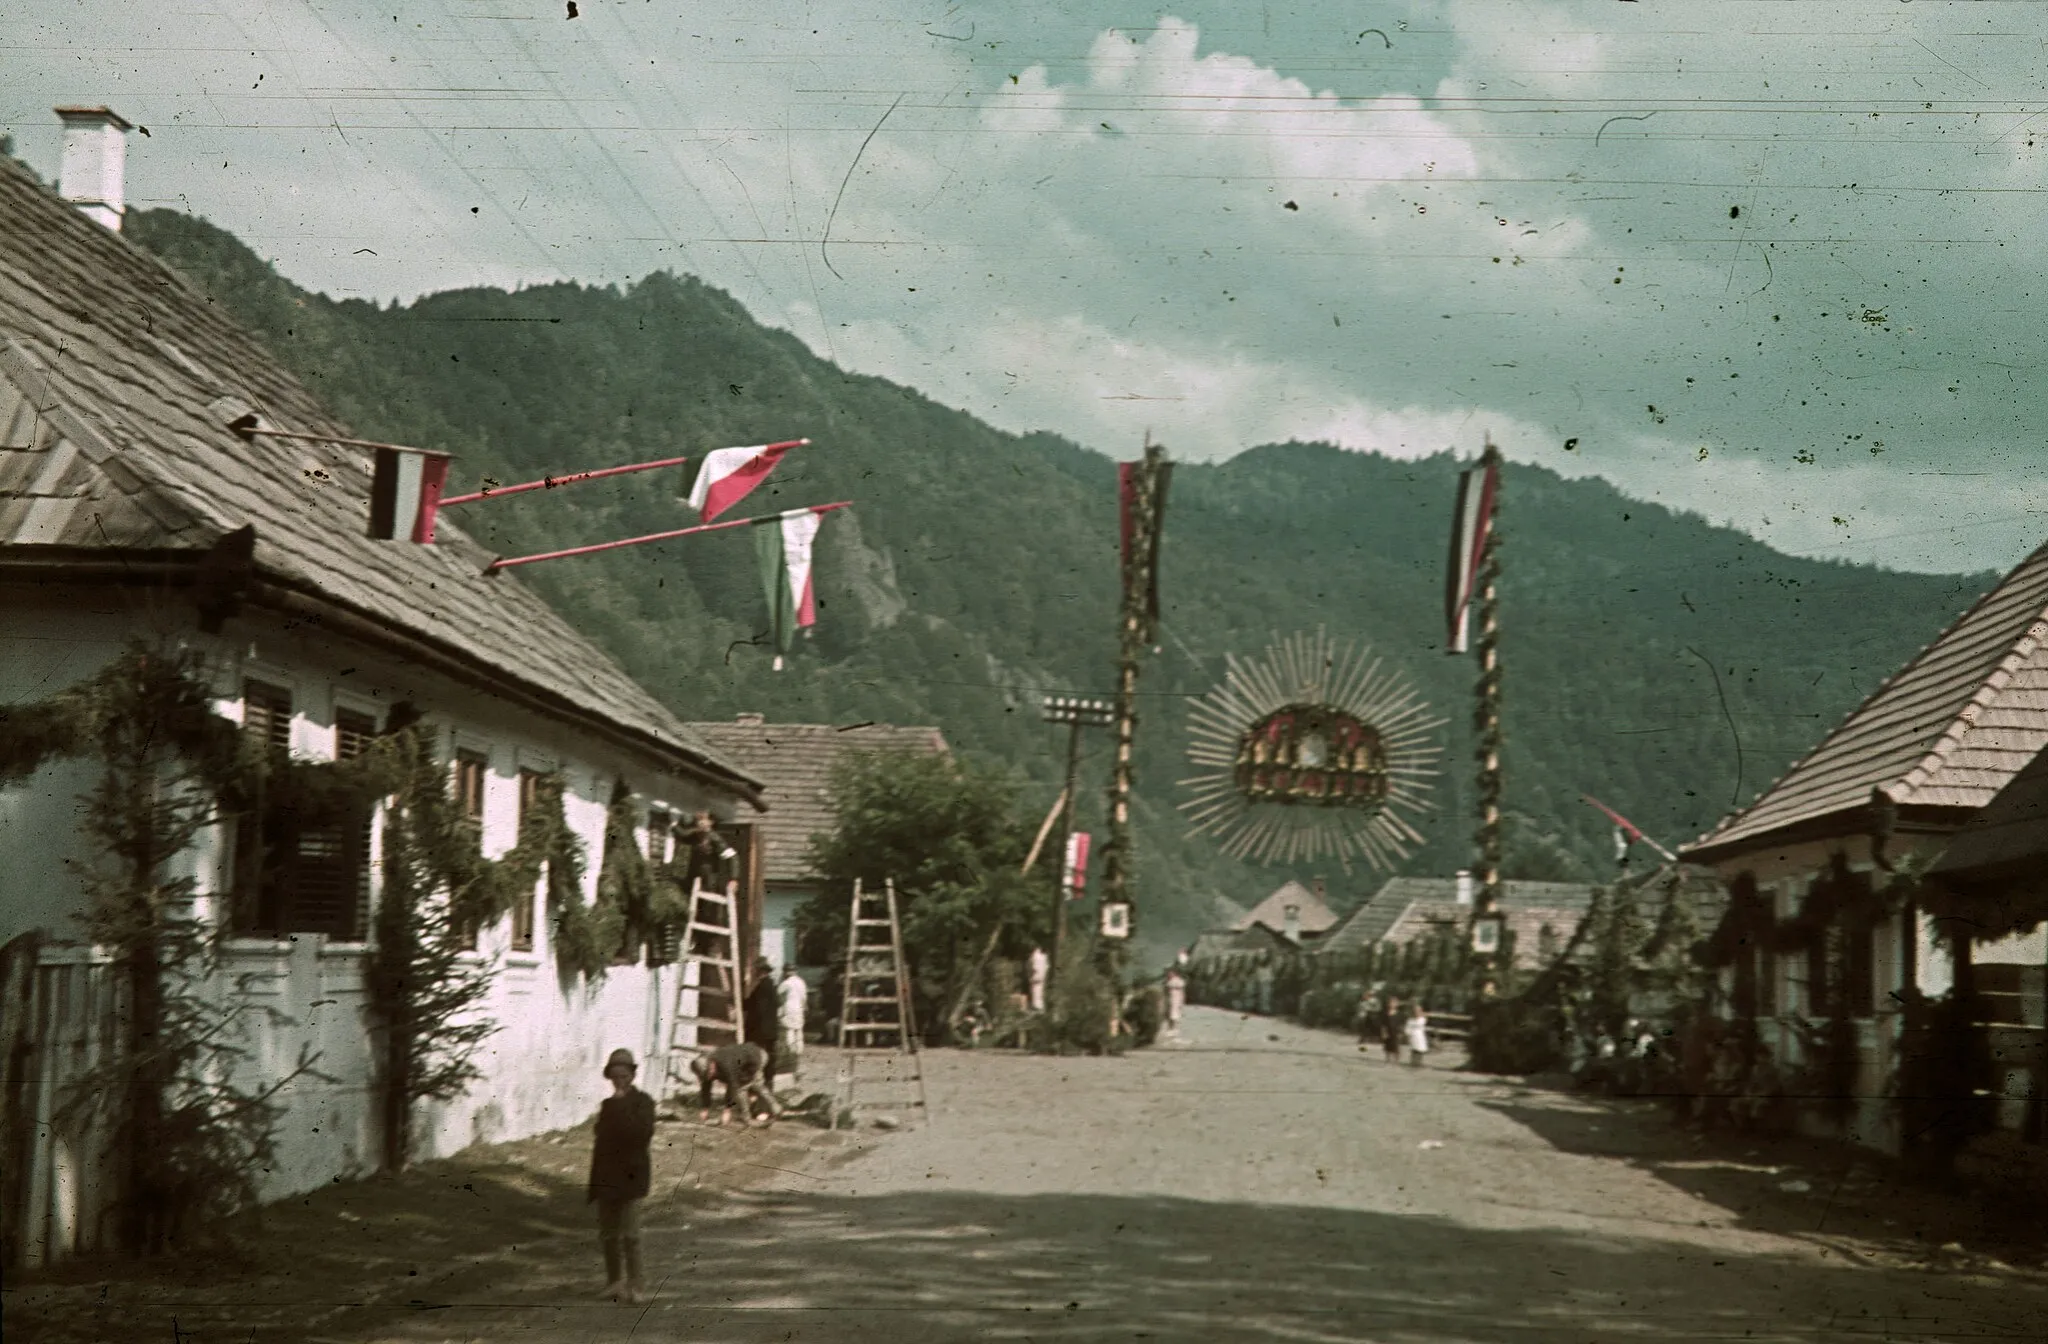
(948, 598)
(189, 1138)
(946, 833)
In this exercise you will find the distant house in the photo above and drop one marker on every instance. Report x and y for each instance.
(1295, 912)
(794, 762)
(1816, 934)
(131, 507)
(1405, 909)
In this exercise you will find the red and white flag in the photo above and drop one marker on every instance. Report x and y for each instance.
(1075, 875)
(405, 493)
(1470, 528)
(729, 475)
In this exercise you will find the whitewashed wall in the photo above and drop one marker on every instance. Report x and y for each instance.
(541, 1068)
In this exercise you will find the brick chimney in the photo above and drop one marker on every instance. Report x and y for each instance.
(1291, 923)
(750, 720)
(92, 174)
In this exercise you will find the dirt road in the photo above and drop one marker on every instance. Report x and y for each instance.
(1260, 1182)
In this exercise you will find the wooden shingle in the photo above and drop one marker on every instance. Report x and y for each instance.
(118, 383)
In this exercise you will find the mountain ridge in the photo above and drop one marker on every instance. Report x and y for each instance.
(1666, 664)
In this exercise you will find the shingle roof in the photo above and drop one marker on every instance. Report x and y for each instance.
(794, 763)
(1947, 730)
(1374, 920)
(1316, 917)
(1525, 922)
(2011, 830)
(118, 383)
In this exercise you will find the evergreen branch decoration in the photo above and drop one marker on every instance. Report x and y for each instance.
(187, 1135)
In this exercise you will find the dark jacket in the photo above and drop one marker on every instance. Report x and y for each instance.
(620, 1163)
(739, 1066)
(759, 1014)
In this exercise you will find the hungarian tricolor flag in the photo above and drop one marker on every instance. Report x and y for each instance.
(729, 475)
(1470, 529)
(783, 543)
(405, 493)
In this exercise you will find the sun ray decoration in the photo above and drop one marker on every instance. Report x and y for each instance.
(1313, 748)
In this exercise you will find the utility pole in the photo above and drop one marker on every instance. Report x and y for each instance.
(1076, 714)
(1143, 487)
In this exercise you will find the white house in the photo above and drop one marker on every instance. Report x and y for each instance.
(1817, 934)
(130, 505)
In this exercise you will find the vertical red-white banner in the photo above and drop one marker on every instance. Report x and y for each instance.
(1074, 876)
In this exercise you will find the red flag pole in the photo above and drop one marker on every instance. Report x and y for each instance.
(550, 482)
(497, 565)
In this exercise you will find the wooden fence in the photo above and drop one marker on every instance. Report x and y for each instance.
(59, 1021)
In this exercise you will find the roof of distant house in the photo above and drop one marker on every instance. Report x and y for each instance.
(1371, 922)
(794, 763)
(1947, 731)
(1316, 916)
(119, 384)
(1525, 922)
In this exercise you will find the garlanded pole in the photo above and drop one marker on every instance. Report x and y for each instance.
(1488, 713)
(1143, 489)
(1474, 578)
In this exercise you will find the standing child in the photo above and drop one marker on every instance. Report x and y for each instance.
(621, 1168)
(1390, 1030)
(1176, 1001)
(1418, 1035)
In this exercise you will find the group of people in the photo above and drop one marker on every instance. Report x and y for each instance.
(1397, 1028)
(621, 1156)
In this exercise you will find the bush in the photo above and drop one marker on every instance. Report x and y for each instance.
(1517, 1036)
(1144, 1014)
(1330, 1006)
(1081, 1006)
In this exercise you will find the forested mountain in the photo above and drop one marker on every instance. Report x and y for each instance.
(1665, 665)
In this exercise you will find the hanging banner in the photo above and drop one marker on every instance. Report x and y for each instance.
(1470, 527)
(1075, 875)
(405, 493)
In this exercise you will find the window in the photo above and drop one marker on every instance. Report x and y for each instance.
(267, 714)
(299, 871)
(471, 769)
(522, 907)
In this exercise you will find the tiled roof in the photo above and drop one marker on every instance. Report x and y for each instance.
(794, 763)
(118, 383)
(1316, 917)
(1947, 730)
(1378, 916)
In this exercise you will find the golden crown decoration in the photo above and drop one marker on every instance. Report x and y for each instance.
(1312, 748)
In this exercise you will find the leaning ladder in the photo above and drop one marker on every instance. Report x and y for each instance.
(876, 1002)
(707, 1010)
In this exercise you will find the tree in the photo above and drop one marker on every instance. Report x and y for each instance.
(945, 832)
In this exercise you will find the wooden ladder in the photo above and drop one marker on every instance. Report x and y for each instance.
(875, 1002)
(711, 946)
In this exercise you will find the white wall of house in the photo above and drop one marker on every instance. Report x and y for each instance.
(541, 1068)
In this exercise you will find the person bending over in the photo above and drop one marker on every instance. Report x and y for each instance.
(741, 1067)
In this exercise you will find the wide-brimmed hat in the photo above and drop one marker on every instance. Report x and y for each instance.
(621, 1059)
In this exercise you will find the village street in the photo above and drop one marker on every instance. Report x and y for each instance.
(1260, 1182)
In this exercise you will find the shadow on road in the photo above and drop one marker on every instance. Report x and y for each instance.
(1848, 1192)
(916, 1267)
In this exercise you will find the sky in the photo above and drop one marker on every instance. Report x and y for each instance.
(1777, 262)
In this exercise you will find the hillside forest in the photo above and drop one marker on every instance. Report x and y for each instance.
(1666, 665)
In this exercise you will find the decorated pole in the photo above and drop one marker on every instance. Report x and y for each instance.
(1488, 713)
(1143, 490)
(1474, 579)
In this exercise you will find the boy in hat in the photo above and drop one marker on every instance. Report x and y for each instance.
(621, 1168)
